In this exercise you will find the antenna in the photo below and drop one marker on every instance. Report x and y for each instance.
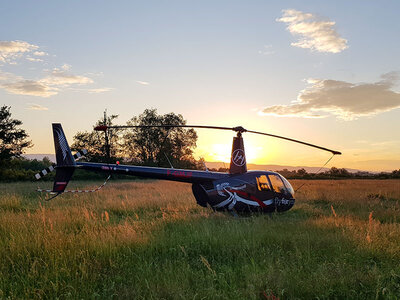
(168, 160)
(205, 166)
(107, 145)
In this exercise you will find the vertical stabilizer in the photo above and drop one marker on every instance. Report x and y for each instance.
(64, 156)
(65, 160)
(238, 157)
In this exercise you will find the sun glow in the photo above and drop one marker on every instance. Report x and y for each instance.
(215, 152)
(222, 153)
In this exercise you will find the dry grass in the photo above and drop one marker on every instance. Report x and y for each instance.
(149, 239)
(367, 211)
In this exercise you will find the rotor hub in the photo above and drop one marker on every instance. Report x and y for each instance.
(239, 129)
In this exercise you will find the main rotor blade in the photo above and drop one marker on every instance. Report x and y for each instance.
(102, 127)
(237, 129)
(296, 141)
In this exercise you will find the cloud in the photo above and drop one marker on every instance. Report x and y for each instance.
(30, 88)
(99, 90)
(40, 53)
(6, 76)
(51, 84)
(142, 82)
(60, 77)
(34, 106)
(314, 33)
(347, 101)
(267, 50)
(45, 87)
(34, 59)
(66, 67)
(10, 50)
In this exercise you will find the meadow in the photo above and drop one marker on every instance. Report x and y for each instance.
(149, 240)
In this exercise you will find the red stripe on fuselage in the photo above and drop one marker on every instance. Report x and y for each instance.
(251, 197)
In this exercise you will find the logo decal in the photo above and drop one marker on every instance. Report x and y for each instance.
(234, 196)
(62, 142)
(238, 157)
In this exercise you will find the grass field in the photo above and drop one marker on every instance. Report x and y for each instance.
(149, 240)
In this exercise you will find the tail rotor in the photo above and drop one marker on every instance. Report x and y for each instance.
(65, 166)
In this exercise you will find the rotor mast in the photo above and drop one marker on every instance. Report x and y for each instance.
(238, 157)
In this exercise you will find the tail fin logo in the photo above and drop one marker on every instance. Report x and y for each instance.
(63, 142)
(238, 157)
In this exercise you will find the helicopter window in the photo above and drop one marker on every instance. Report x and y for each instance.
(277, 184)
(263, 183)
(288, 186)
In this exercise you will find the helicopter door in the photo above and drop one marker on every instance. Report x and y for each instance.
(278, 186)
(263, 183)
(265, 191)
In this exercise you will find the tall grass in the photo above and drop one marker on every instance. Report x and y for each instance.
(149, 240)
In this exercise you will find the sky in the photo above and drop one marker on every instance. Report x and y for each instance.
(325, 72)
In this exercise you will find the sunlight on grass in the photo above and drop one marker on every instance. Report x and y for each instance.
(149, 239)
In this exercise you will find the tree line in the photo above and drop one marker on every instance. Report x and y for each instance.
(338, 173)
(332, 173)
(160, 147)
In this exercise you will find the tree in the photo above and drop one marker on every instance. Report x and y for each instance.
(152, 146)
(13, 140)
(146, 146)
(302, 172)
(95, 142)
(335, 172)
(396, 174)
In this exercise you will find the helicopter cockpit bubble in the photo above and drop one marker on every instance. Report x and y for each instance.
(287, 185)
(281, 186)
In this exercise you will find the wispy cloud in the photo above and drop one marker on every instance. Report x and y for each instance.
(6, 76)
(30, 88)
(34, 106)
(314, 32)
(99, 90)
(40, 53)
(11, 50)
(266, 50)
(33, 59)
(53, 82)
(59, 77)
(347, 101)
(142, 82)
(50, 85)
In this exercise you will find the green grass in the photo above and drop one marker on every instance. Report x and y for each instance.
(149, 240)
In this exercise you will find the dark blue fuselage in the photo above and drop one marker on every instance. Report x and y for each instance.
(263, 191)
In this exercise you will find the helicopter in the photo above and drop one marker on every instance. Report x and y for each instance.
(237, 190)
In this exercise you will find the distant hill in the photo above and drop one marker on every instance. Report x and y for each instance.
(52, 157)
(217, 165)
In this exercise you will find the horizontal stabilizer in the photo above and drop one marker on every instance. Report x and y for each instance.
(50, 169)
